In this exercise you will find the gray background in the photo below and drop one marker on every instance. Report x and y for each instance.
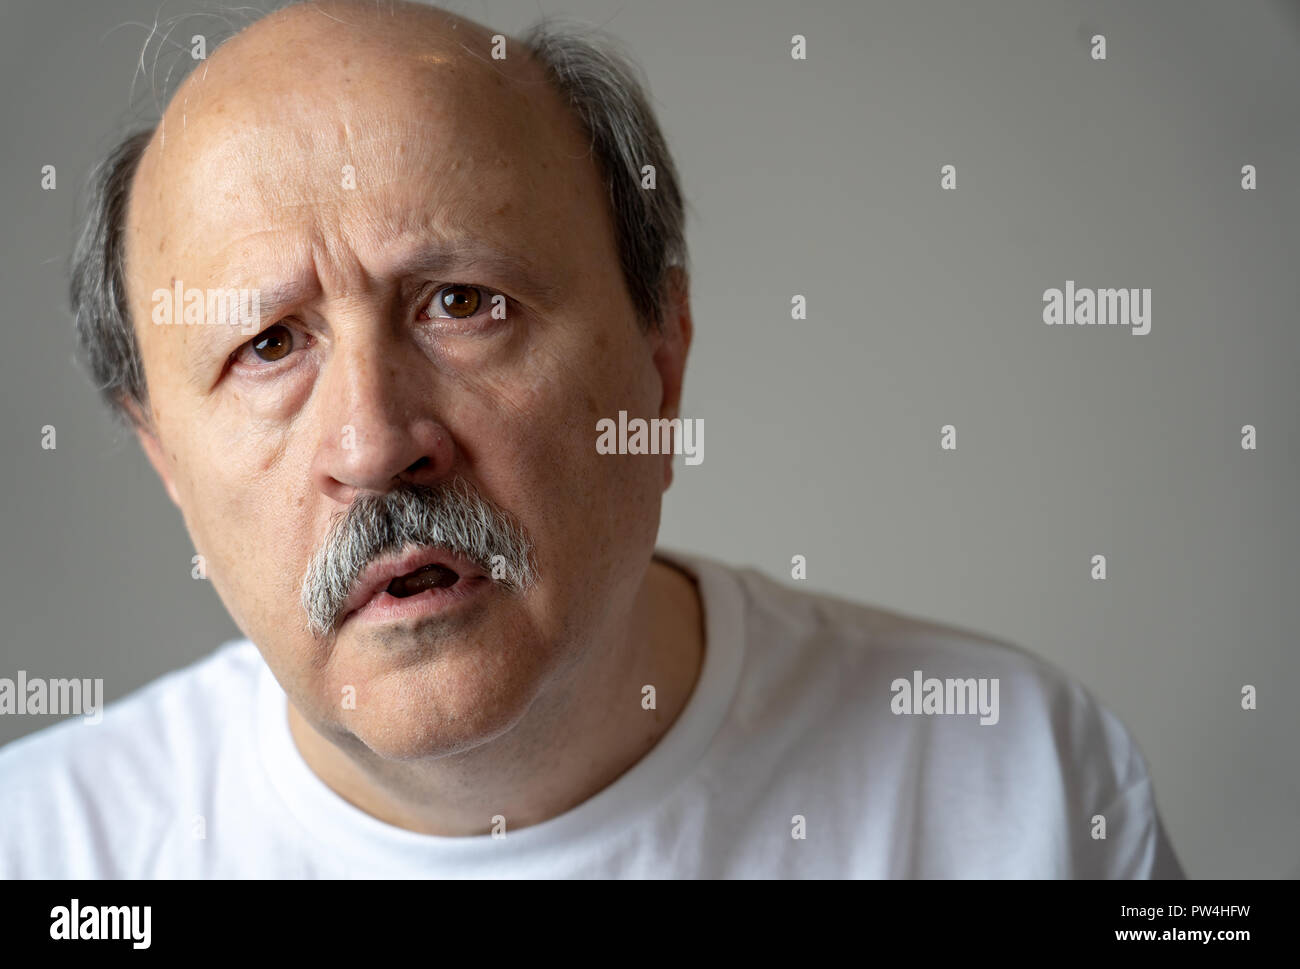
(821, 178)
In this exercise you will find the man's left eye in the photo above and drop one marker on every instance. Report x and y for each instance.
(456, 302)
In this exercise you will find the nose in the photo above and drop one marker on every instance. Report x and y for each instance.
(378, 426)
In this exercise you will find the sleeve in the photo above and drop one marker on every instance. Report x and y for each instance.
(1138, 844)
(1108, 778)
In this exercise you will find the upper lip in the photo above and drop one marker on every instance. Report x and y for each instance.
(385, 569)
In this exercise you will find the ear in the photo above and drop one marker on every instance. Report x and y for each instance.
(672, 343)
(148, 438)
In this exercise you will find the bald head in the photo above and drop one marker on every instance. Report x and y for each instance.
(332, 118)
(413, 73)
(310, 59)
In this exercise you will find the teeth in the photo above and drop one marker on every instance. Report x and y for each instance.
(429, 577)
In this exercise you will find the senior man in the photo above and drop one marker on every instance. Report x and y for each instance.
(464, 655)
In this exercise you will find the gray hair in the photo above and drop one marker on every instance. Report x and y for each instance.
(593, 76)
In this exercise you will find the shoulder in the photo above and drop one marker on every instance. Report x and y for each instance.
(80, 794)
(936, 709)
(872, 648)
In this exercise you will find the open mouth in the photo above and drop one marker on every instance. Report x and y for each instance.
(419, 581)
(429, 577)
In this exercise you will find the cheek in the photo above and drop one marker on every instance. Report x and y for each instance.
(534, 448)
(245, 513)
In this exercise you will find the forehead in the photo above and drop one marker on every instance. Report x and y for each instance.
(361, 139)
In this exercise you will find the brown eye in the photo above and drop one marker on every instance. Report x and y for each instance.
(458, 301)
(274, 343)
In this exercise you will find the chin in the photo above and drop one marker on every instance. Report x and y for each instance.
(451, 696)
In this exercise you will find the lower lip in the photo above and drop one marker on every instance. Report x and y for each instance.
(431, 602)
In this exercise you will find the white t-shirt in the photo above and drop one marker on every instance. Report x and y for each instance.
(789, 760)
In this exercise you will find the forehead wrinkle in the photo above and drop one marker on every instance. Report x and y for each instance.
(253, 176)
(449, 196)
(236, 136)
(282, 270)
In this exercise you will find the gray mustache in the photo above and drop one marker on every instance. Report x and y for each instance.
(452, 516)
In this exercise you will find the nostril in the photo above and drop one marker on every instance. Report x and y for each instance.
(422, 463)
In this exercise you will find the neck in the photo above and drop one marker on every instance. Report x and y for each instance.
(565, 750)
